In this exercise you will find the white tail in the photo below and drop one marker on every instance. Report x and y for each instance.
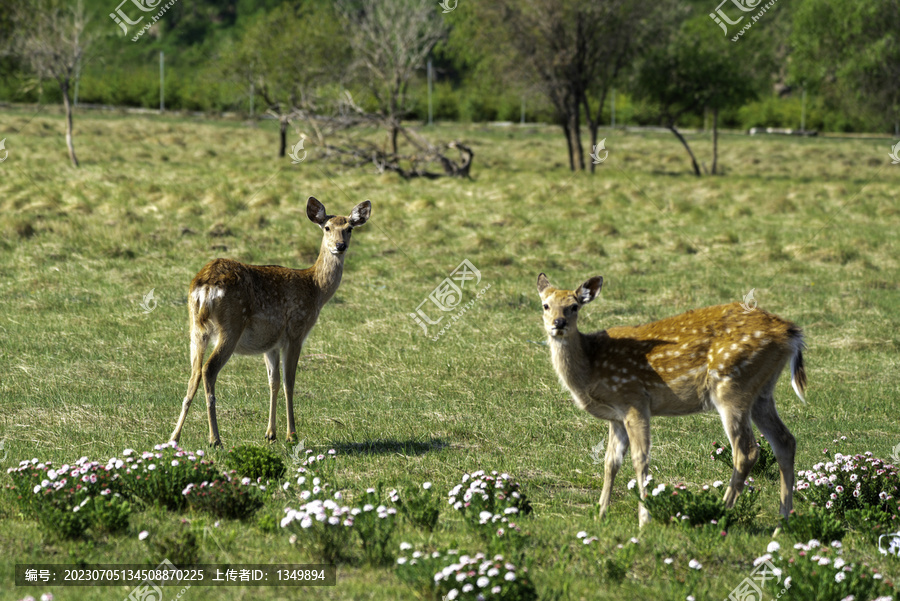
(263, 309)
(721, 358)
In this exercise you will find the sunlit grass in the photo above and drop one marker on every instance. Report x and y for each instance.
(811, 224)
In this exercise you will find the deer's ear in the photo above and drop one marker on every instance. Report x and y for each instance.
(543, 283)
(589, 290)
(360, 213)
(315, 210)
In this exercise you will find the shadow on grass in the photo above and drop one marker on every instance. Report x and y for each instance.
(387, 446)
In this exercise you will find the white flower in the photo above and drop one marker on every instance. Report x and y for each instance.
(37, 488)
(773, 546)
(405, 546)
(631, 483)
(496, 590)
(839, 577)
(668, 561)
(581, 534)
(174, 463)
(483, 581)
(510, 576)
(468, 587)
(839, 563)
(634, 540)
(143, 534)
(151, 467)
(717, 483)
(453, 594)
(426, 485)
(401, 560)
(694, 564)
(47, 597)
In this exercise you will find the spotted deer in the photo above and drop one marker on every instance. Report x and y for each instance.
(723, 358)
(263, 309)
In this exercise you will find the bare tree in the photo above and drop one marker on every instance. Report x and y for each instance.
(51, 38)
(391, 40)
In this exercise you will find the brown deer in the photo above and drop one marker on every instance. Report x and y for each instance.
(724, 358)
(263, 309)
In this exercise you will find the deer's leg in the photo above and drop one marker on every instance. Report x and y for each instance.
(217, 360)
(289, 358)
(735, 414)
(783, 443)
(272, 370)
(615, 452)
(199, 340)
(637, 425)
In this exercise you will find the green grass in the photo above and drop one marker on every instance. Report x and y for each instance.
(811, 224)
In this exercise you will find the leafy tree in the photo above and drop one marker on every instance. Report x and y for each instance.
(288, 55)
(850, 52)
(698, 70)
(572, 52)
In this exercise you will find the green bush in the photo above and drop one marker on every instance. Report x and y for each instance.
(816, 523)
(255, 463)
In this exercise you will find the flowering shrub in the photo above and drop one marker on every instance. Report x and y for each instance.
(766, 466)
(706, 509)
(69, 500)
(226, 497)
(852, 482)
(332, 527)
(326, 523)
(489, 501)
(816, 572)
(160, 476)
(452, 576)
(256, 463)
(375, 525)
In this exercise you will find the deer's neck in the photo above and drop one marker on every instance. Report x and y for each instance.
(327, 273)
(571, 360)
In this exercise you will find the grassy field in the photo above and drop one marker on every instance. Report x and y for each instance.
(810, 224)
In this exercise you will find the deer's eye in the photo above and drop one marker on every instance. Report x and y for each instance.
(327, 229)
(574, 308)
(546, 307)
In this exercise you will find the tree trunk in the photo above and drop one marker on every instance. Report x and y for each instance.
(568, 133)
(715, 139)
(686, 147)
(579, 150)
(395, 129)
(70, 142)
(282, 150)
